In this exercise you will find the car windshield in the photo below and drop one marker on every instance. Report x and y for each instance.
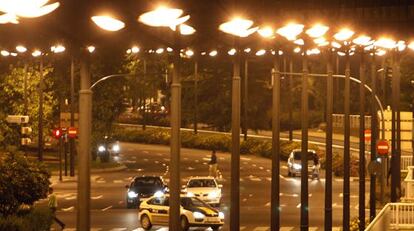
(298, 155)
(210, 183)
(147, 181)
(192, 202)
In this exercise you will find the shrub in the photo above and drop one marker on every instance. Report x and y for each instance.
(338, 165)
(36, 219)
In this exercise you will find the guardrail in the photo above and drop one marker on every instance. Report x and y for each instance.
(394, 216)
(406, 161)
(409, 185)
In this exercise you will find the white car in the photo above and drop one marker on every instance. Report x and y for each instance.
(194, 213)
(205, 189)
(294, 162)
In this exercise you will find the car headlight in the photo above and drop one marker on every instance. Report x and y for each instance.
(198, 215)
(221, 215)
(132, 194)
(213, 194)
(101, 148)
(297, 166)
(190, 194)
(158, 194)
(115, 148)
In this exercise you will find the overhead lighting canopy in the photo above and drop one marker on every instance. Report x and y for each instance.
(344, 34)
(317, 31)
(291, 31)
(363, 40)
(266, 32)
(164, 17)
(21, 49)
(26, 8)
(238, 27)
(386, 43)
(108, 23)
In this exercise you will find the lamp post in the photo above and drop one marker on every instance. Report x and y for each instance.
(240, 28)
(39, 54)
(168, 17)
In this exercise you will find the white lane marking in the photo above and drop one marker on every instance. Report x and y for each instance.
(298, 206)
(313, 228)
(267, 204)
(284, 167)
(336, 228)
(286, 228)
(146, 152)
(118, 229)
(244, 199)
(70, 198)
(64, 195)
(145, 159)
(255, 179)
(97, 197)
(104, 209)
(268, 178)
(70, 229)
(185, 158)
(261, 168)
(190, 168)
(69, 209)
(120, 202)
(157, 162)
(166, 159)
(339, 180)
(245, 158)
(197, 161)
(139, 170)
(118, 181)
(254, 165)
(263, 228)
(351, 196)
(94, 178)
(267, 170)
(242, 227)
(95, 229)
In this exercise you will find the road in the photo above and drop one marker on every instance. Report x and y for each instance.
(108, 190)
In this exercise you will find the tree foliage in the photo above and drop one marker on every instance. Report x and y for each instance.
(22, 181)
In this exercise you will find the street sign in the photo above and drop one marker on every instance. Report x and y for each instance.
(26, 141)
(367, 135)
(17, 119)
(72, 132)
(26, 130)
(383, 147)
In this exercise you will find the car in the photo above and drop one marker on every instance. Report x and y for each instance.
(193, 213)
(205, 189)
(294, 163)
(107, 147)
(144, 187)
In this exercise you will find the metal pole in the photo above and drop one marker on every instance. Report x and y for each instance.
(290, 101)
(60, 158)
(245, 100)
(328, 177)
(40, 122)
(346, 187)
(65, 152)
(175, 145)
(25, 89)
(144, 125)
(398, 123)
(275, 200)
(337, 82)
(304, 199)
(235, 151)
(362, 72)
(72, 116)
(196, 96)
(85, 121)
(394, 169)
(374, 137)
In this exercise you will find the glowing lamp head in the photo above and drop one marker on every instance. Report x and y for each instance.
(4, 53)
(21, 49)
(386, 43)
(291, 31)
(362, 40)
(238, 27)
(266, 32)
(36, 53)
(163, 17)
(91, 49)
(317, 31)
(344, 34)
(108, 23)
(411, 45)
(213, 53)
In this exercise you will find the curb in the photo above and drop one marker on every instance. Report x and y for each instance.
(115, 169)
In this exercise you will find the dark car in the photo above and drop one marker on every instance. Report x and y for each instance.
(143, 187)
(107, 147)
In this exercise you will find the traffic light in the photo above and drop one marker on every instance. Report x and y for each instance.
(57, 133)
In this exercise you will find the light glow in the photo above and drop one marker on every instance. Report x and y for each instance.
(299, 42)
(344, 34)
(362, 40)
(26, 9)
(36, 53)
(213, 53)
(189, 53)
(380, 52)
(261, 52)
(297, 50)
(232, 52)
(21, 49)
(386, 43)
(238, 27)
(186, 29)
(266, 32)
(159, 51)
(291, 31)
(336, 45)
(247, 50)
(401, 45)
(108, 23)
(91, 49)
(57, 49)
(163, 17)
(9, 18)
(4, 53)
(317, 31)
(135, 49)
(411, 45)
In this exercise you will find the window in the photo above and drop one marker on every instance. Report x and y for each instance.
(192, 202)
(147, 181)
(157, 201)
(210, 183)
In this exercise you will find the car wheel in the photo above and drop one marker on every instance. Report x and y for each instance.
(145, 222)
(215, 227)
(184, 224)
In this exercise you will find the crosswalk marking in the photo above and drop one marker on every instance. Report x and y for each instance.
(261, 228)
(313, 228)
(286, 228)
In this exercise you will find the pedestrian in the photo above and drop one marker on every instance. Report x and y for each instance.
(53, 204)
(316, 166)
(213, 164)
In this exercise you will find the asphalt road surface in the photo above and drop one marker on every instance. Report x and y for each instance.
(108, 193)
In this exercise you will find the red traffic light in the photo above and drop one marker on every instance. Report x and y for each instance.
(57, 133)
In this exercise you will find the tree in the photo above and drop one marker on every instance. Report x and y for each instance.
(22, 181)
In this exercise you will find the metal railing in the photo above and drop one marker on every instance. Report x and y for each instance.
(394, 216)
(406, 161)
(409, 185)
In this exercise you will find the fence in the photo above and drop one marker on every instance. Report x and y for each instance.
(409, 185)
(394, 216)
(406, 161)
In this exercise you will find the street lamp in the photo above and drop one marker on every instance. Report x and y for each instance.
(344, 35)
(25, 9)
(171, 17)
(108, 23)
(240, 28)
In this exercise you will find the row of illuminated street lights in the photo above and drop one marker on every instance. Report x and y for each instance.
(36, 53)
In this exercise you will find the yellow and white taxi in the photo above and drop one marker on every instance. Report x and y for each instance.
(194, 213)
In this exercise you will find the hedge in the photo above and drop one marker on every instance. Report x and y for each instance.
(35, 219)
(222, 142)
